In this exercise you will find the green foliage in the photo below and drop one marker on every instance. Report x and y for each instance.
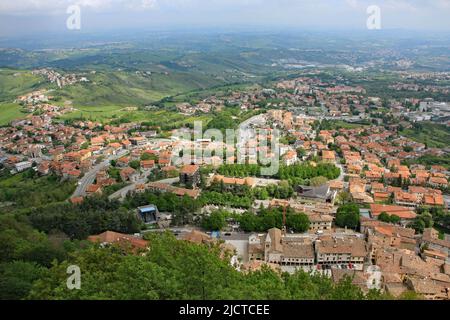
(288, 139)
(298, 222)
(433, 135)
(215, 221)
(16, 279)
(343, 197)
(229, 118)
(292, 173)
(335, 125)
(307, 171)
(115, 174)
(395, 219)
(410, 295)
(347, 215)
(92, 216)
(389, 218)
(149, 156)
(17, 82)
(19, 241)
(430, 160)
(182, 208)
(280, 191)
(27, 190)
(422, 221)
(135, 164)
(300, 152)
(239, 170)
(318, 181)
(273, 218)
(10, 112)
(226, 199)
(174, 269)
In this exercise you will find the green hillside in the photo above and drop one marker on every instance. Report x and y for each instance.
(10, 112)
(432, 134)
(16, 82)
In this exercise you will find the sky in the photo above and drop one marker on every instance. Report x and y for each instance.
(19, 17)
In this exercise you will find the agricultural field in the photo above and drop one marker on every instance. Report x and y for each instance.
(128, 88)
(119, 114)
(15, 83)
(432, 134)
(10, 112)
(26, 190)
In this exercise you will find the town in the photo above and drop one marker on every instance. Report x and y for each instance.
(350, 197)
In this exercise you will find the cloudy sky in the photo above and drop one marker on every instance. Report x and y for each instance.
(32, 16)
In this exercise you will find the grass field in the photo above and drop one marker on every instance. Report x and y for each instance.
(126, 88)
(27, 190)
(338, 124)
(9, 112)
(432, 134)
(162, 118)
(15, 83)
(99, 113)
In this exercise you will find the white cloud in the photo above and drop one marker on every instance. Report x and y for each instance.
(59, 6)
(297, 13)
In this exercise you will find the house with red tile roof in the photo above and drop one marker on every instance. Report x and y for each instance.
(111, 237)
(76, 200)
(438, 182)
(328, 156)
(147, 164)
(406, 199)
(94, 189)
(404, 213)
(128, 174)
(433, 200)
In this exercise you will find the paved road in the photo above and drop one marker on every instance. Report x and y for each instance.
(170, 180)
(342, 174)
(245, 133)
(89, 177)
(122, 193)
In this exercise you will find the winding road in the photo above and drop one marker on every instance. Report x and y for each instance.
(89, 177)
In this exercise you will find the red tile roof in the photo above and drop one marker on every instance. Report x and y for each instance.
(402, 212)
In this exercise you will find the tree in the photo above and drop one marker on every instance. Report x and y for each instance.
(93, 216)
(298, 222)
(148, 156)
(343, 197)
(318, 181)
(300, 152)
(422, 221)
(19, 241)
(418, 225)
(384, 217)
(345, 290)
(347, 215)
(135, 164)
(407, 148)
(215, 221)
(173, 270)
(395, 219)
(17, 277)
(248, 222)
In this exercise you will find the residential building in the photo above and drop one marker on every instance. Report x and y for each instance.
(190, 175)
